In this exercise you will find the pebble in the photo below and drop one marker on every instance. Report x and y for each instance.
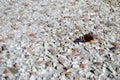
(15, 65)
(69, 75)
(117, 69)
(111, 76)
(6, 71)
(112, 48)
(7, 78)
(78, 77)
(61, 61)
(4, 47)
(75, 50)
(117, 51)
(79, 27)
(52, 51)
(14, 27)
(83, 65)
(13, 70)
(91, 78)
(48, 64)
(95, 41)
(97, 63)
(32, 35)
(110, 69)
(75, 66)
(101, 51)
(38, 62)
(94, 72)
(30, 51)
(1, 59)
(115, 44)
(3, 40)
(58, 67)
(10, 69)
(66, 68)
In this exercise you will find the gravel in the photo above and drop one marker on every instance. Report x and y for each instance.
(37, 40)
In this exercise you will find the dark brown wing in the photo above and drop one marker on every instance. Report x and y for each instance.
(87, 37)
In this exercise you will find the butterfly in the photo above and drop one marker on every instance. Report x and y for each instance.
(85, 38)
